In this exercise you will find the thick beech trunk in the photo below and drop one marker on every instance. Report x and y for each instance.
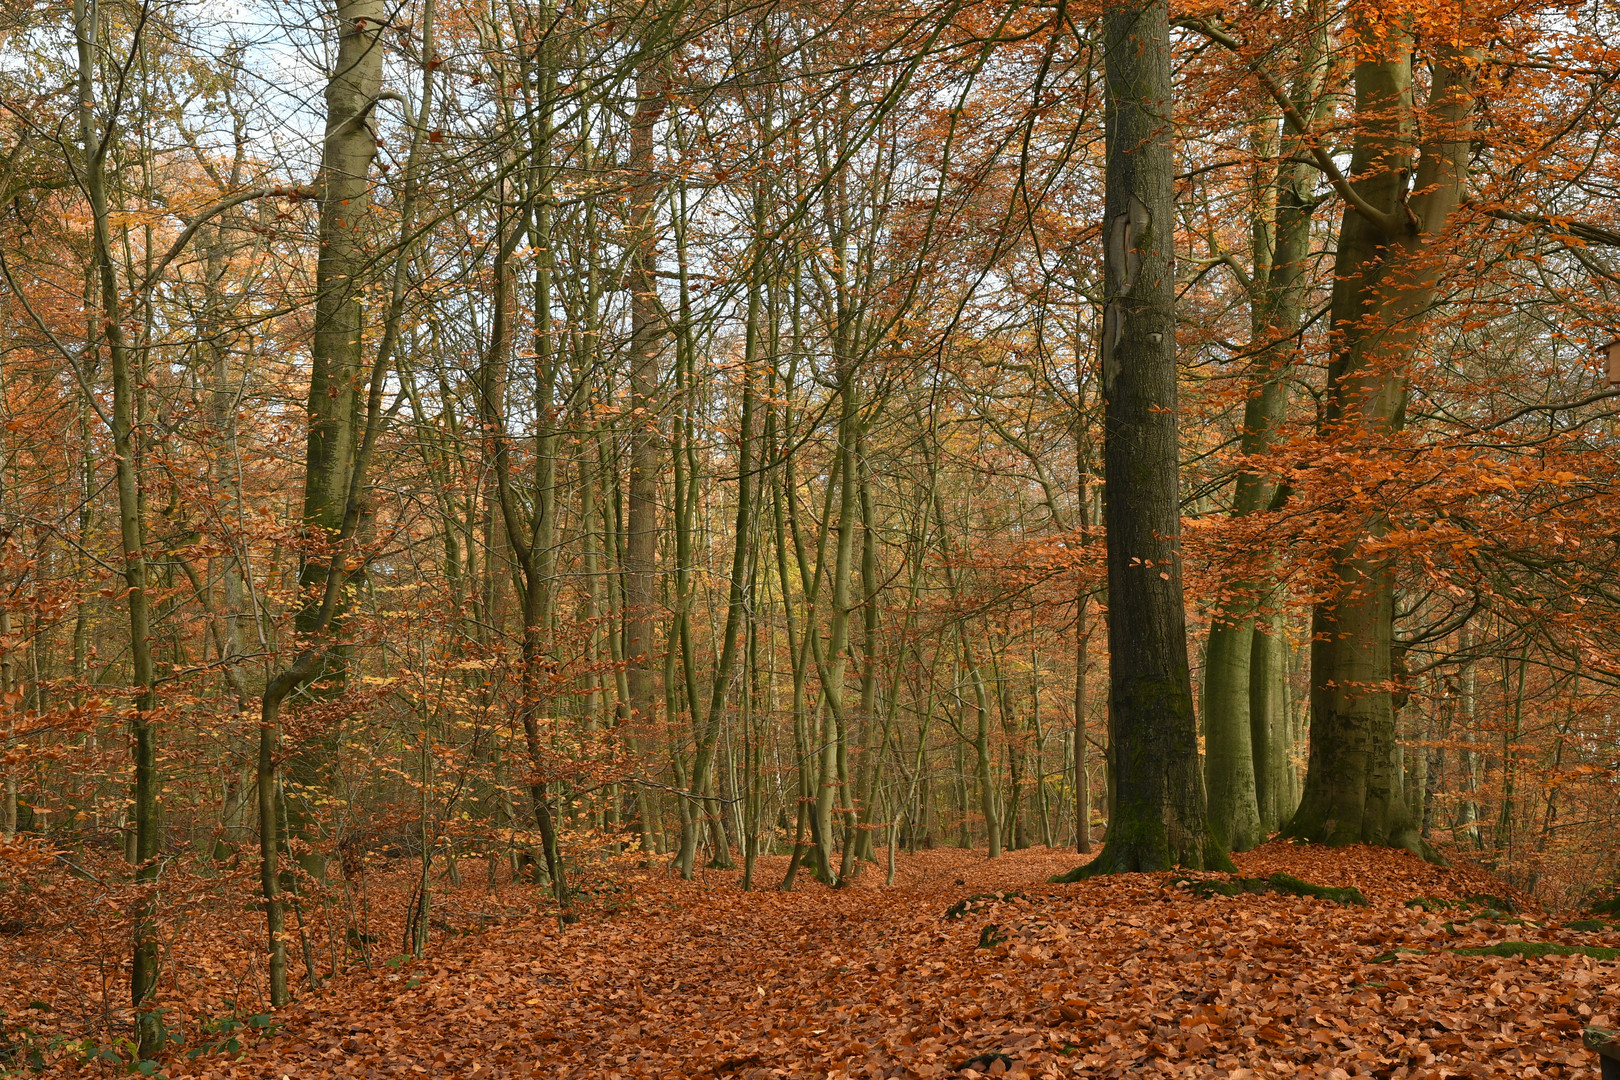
(1158, 819)
(1385, 277)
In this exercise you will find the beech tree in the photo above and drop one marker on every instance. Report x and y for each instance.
(1157, 819)
(1385, 275)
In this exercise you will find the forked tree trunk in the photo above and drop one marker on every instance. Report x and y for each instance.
(1242, 761)
(1385, 277)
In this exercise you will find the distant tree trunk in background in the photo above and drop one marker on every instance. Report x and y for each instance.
(1082, 777)
(1082, 650)
(1271, 722)
(8, 783)
(1158, 818)
(981, 745)
(646, 333)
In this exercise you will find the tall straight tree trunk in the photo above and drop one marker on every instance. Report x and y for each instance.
(125, 426)
(1385, 277)
(870, 763)
(8, 793)
(1158, 818)
(1082, 768)
(646, 333)
(336, 358)
(1271, 722)
(340, 443)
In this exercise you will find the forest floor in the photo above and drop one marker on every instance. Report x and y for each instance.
(1126, 976)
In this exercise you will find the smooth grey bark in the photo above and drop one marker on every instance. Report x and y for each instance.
(336, 355)
(1271, 722)
(1159, 817)
(1229, 767)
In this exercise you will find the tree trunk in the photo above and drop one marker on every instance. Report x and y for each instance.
(1271, 723)
(646, 332)
(1082, 653)
(1158, 819)
(1385, 277)
(336, 359)
(125, 425)
(1229, 768)
(1241, 811)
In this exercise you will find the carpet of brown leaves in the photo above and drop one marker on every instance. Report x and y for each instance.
(1126, 976)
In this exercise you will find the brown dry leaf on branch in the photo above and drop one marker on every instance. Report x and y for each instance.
(1125, 976)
